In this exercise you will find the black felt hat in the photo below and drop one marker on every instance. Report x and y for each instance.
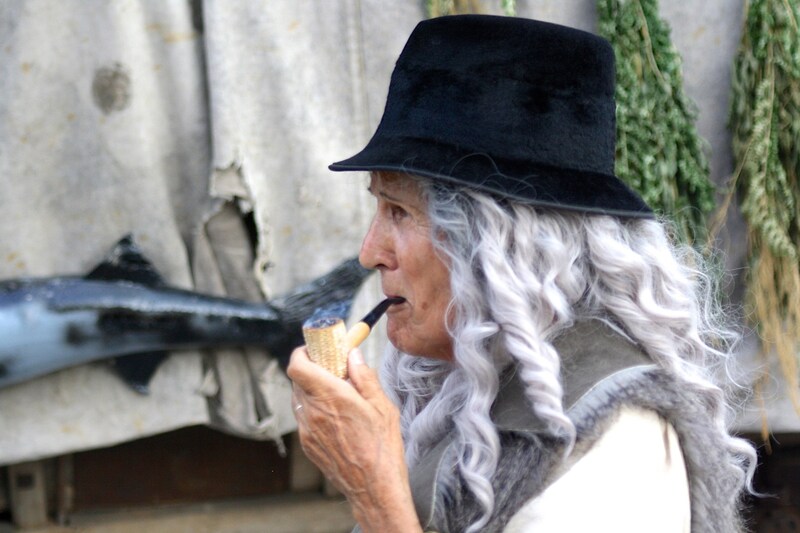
(513, 106)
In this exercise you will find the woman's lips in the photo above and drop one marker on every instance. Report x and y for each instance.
(396, 304)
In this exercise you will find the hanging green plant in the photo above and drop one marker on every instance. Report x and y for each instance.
(438, 8)
(765, 121)
(659, 152)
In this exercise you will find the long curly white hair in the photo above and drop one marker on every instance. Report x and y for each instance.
(521, 275)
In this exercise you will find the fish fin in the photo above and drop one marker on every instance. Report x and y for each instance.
(138, 369)
(336, 288)
(126, 261)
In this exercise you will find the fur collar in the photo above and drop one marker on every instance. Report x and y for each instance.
(602, 370)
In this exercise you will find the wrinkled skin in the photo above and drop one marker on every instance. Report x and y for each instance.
(351, 431)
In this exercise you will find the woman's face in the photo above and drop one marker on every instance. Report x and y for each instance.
(398, 244)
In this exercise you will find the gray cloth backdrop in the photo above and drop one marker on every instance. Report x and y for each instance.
(173, 120)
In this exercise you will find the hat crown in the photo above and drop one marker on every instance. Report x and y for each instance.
(526, 89)
(529, 50)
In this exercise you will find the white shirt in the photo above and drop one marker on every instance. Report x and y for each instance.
(633, 480)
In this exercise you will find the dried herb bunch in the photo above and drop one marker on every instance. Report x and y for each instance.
(438, 8)
(765, 121)
(659, 152)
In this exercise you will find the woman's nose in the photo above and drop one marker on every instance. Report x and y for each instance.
(375, 248)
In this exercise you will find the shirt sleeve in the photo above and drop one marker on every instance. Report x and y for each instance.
(632, 480)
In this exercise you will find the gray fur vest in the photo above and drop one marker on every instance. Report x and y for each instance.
(601, 372)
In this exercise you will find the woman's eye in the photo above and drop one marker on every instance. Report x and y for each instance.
(398, 212)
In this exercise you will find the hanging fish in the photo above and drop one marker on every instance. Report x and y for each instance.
(124, 312)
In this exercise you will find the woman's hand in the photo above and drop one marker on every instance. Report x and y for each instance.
(351, 431)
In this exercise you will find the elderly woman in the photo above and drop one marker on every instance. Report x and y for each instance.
(551, 366)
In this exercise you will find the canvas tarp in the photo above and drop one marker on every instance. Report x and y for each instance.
(178, 120)
(173, 121)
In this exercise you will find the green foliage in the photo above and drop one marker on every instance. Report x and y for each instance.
(438, 8)
(765, 121)
(659, 152)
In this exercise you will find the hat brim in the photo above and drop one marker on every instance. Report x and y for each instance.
(538, 185)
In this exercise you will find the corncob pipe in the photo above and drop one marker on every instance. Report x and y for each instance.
(328, 342)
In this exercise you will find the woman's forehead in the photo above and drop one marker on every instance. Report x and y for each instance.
(395, 182)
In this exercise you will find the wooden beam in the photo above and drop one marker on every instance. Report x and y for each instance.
(28, 494)
(4, 503)
(65, 489)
